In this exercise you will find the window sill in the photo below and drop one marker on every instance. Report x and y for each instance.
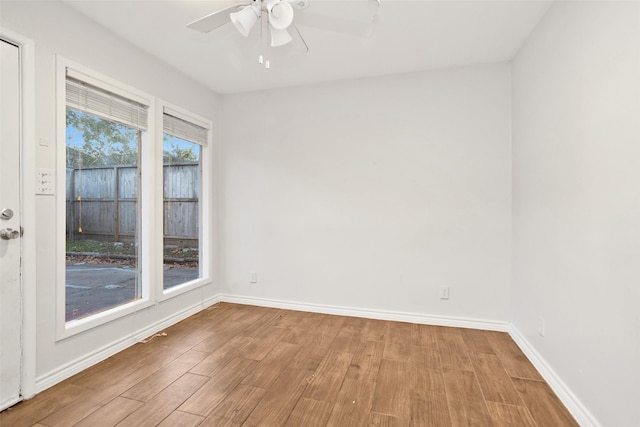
(74, 327)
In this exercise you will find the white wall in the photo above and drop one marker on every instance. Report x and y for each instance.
(57, 29)
(372, 193)
(576, 206)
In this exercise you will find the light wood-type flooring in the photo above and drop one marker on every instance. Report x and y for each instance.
(237, 365)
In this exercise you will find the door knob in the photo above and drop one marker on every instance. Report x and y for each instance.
(9, 234)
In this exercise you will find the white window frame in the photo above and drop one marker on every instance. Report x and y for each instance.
(148, 188)
(204, 203)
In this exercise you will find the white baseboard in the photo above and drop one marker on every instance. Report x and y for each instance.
(50, 379)
(458, 322)
(564, 393)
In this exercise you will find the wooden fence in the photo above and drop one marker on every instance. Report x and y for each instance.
(101, 201)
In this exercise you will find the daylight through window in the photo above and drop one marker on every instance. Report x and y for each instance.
(182, 186)
(103, 146)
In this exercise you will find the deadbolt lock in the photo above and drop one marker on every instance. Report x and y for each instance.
(6, 214)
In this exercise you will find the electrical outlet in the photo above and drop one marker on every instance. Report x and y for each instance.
(253, 277)
(541, 326)
(444, 292)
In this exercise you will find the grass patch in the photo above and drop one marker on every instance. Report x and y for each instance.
(110, 248)
(94, 246)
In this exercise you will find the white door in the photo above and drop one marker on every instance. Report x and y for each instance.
(10, 242)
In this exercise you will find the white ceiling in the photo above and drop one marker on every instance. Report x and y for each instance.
(410, 35)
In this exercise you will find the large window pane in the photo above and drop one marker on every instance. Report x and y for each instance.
(102, 214)
(182, 187)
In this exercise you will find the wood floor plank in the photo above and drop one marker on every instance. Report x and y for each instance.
(263, 325)
(424, 336)
(289, 318)
(262, 344)
(464, 398)
(31, 411)
(181, 419)
(236, 407)
(374, 330)
(327, 379)
(353, 404)
(154, 384)
(278, 402)
(309, 413)
(543, 404)
(269, 368)
(392, 389)
(164, 403)
(453, 352)
(513, 359)
(476, 341)
(186, 337)
(218, 387)
(504, 415)
(397, 341)
(429, 410)
(232, 327)
(320, 337)
(384, 420)
(494, 382)
(366, 361)
(426, 373)
(117, 386)
(111, 413)
(71, 414)
(137, 371)
(114, 368)
(299, 333)
(219, 358)
(348, 337)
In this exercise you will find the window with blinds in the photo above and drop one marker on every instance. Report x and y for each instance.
(126, 225)
(90, 99)
(104, 130)
(183, 141)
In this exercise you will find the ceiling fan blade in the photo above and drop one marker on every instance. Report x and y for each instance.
(304, 42)
(216, 19)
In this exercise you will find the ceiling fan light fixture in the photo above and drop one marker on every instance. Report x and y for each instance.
(245, 19)
(280, 14)
(279, 37)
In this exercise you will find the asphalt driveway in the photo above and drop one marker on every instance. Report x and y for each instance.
(93, 287)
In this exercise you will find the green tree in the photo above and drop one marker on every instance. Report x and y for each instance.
(105, 143)
(177, 154)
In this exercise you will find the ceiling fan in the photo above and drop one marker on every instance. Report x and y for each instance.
(279, 16)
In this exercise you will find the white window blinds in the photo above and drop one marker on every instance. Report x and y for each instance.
(91, 99)
(183, 129)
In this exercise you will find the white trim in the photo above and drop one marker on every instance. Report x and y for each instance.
(397, 316)
(57, 375)
(27, 99)
(564, 393)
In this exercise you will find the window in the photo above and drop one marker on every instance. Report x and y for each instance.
(133, 200)
(182, 186)
(103, 138)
